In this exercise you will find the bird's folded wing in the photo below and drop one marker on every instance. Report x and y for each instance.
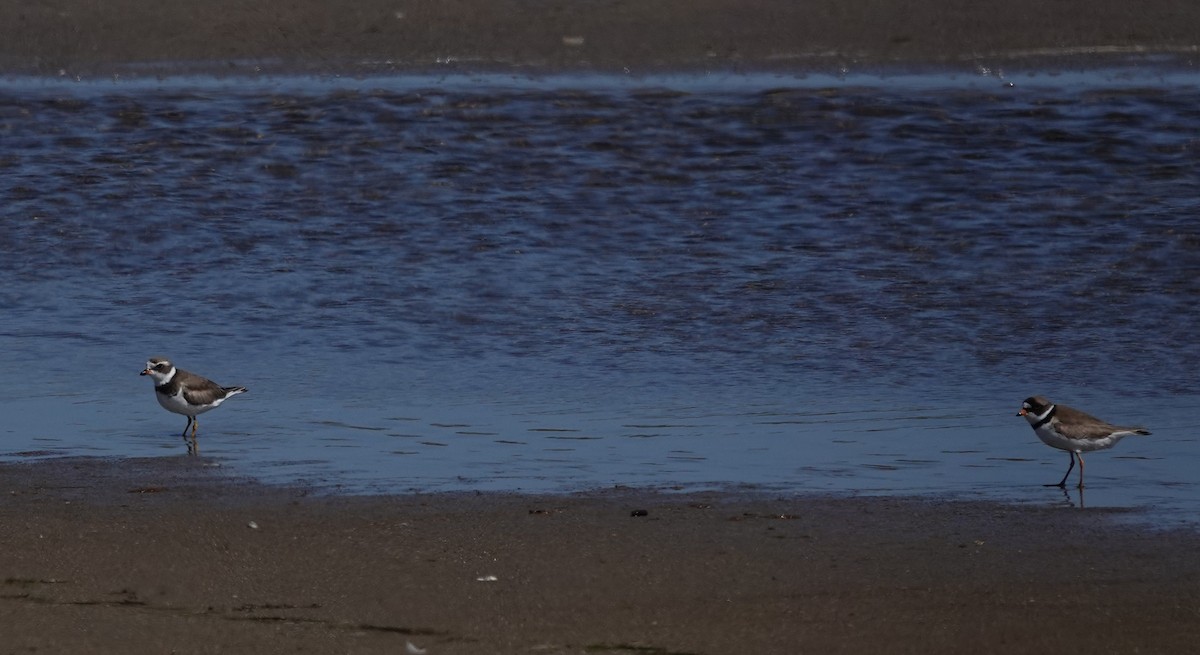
(203, 394)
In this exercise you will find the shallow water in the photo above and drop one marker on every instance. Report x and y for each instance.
(498, 283)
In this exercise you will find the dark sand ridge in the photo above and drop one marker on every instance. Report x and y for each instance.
(78, 37)
(157, 556)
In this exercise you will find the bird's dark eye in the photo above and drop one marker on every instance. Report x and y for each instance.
(160, 367)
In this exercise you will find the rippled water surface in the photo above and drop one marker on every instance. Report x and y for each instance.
(497, 284)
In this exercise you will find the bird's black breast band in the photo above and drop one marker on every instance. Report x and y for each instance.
(1046, 419)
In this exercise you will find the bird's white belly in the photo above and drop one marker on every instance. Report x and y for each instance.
(1054, 440)
(178, 405)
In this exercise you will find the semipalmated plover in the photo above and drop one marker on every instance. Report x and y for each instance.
(186, 393)
(1069, 429)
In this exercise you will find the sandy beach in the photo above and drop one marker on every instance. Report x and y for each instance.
(170, 555)
(81, 38)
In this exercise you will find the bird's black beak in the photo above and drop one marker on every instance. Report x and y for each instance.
(145, 372)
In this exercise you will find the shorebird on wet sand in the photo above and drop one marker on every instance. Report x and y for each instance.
(1069, 429)
(186, 393)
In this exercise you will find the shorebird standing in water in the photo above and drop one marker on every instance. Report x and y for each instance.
(186, 393)
(1069, 429)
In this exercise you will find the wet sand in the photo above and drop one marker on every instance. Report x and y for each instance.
(167, 555)
(74, 37)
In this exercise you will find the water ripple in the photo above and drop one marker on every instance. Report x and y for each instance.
(388, 250)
